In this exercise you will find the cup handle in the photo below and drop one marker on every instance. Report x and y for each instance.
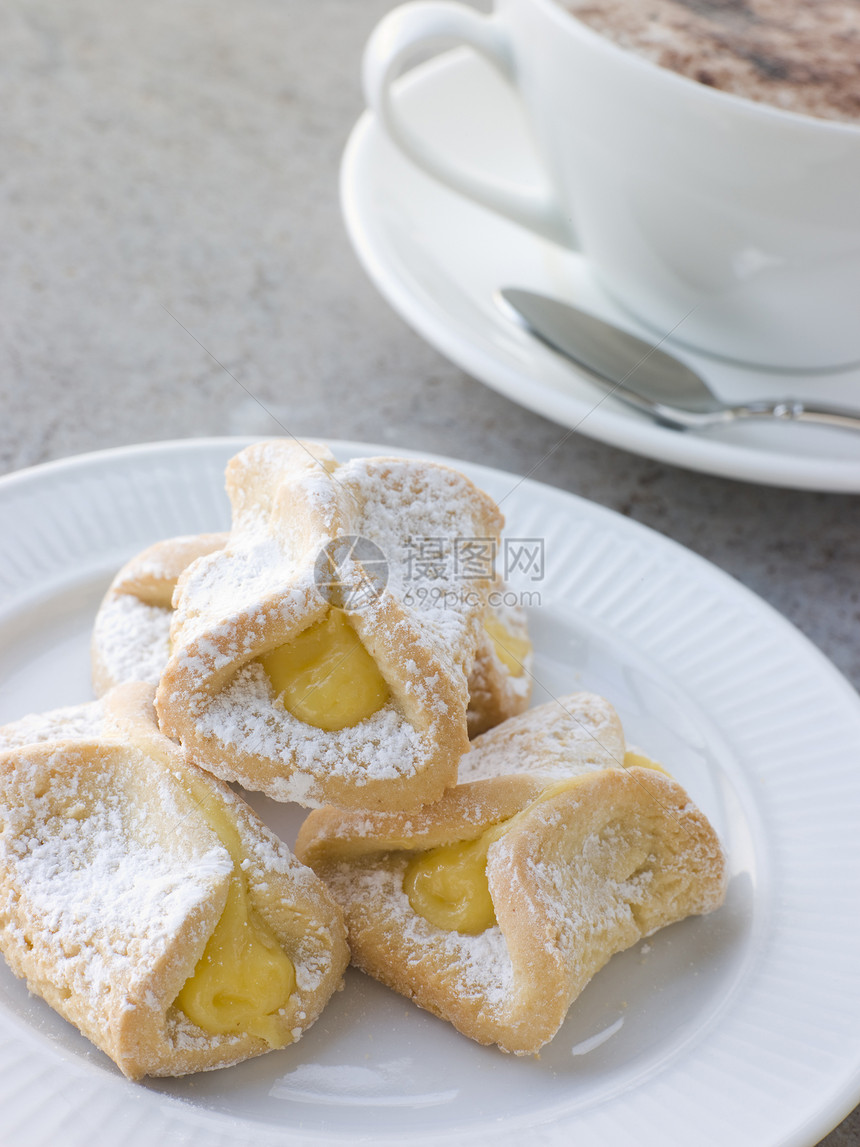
(428, 24)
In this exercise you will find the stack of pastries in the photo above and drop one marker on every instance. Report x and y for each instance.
(307, 655)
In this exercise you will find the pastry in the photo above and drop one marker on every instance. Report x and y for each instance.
(131, 635)
(146, 903)
(313, 657)
(501, 679)
(494, 907)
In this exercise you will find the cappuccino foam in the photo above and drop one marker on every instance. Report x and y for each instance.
(799, 55)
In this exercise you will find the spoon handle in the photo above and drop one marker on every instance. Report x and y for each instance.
(793, 410)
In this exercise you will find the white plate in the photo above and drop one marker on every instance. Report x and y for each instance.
(438, 259)
(742, 1027)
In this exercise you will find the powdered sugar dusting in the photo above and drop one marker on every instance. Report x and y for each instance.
(223, 584)
(577, 733)
(480, 964)
(104, 891)
(186, 1036)
(246, 716)
(404, 508)
(235, 605)
(586, 903)
(164, 561)
(132, 639)
(71, 723)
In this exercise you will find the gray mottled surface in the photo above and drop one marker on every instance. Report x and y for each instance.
(171, 167)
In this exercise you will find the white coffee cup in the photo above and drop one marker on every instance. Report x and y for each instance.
(732, 224)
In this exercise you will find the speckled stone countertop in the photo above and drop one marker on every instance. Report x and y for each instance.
(172, 167)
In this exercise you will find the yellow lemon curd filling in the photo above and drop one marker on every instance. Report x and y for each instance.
(325, 676)
(632, 758)
(244, 978)
(510, 649)
(447, 885)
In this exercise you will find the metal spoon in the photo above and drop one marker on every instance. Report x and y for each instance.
(648, 378)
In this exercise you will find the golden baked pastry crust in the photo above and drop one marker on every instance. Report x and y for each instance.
(290, 501)
(495, 693)
(582, 872)
(112, 880)
(130, 640)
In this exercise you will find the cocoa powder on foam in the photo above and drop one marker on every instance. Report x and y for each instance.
(798, 55)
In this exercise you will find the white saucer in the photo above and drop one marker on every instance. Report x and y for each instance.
(438, 259)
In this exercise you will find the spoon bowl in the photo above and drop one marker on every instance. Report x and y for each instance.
(647, 377)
